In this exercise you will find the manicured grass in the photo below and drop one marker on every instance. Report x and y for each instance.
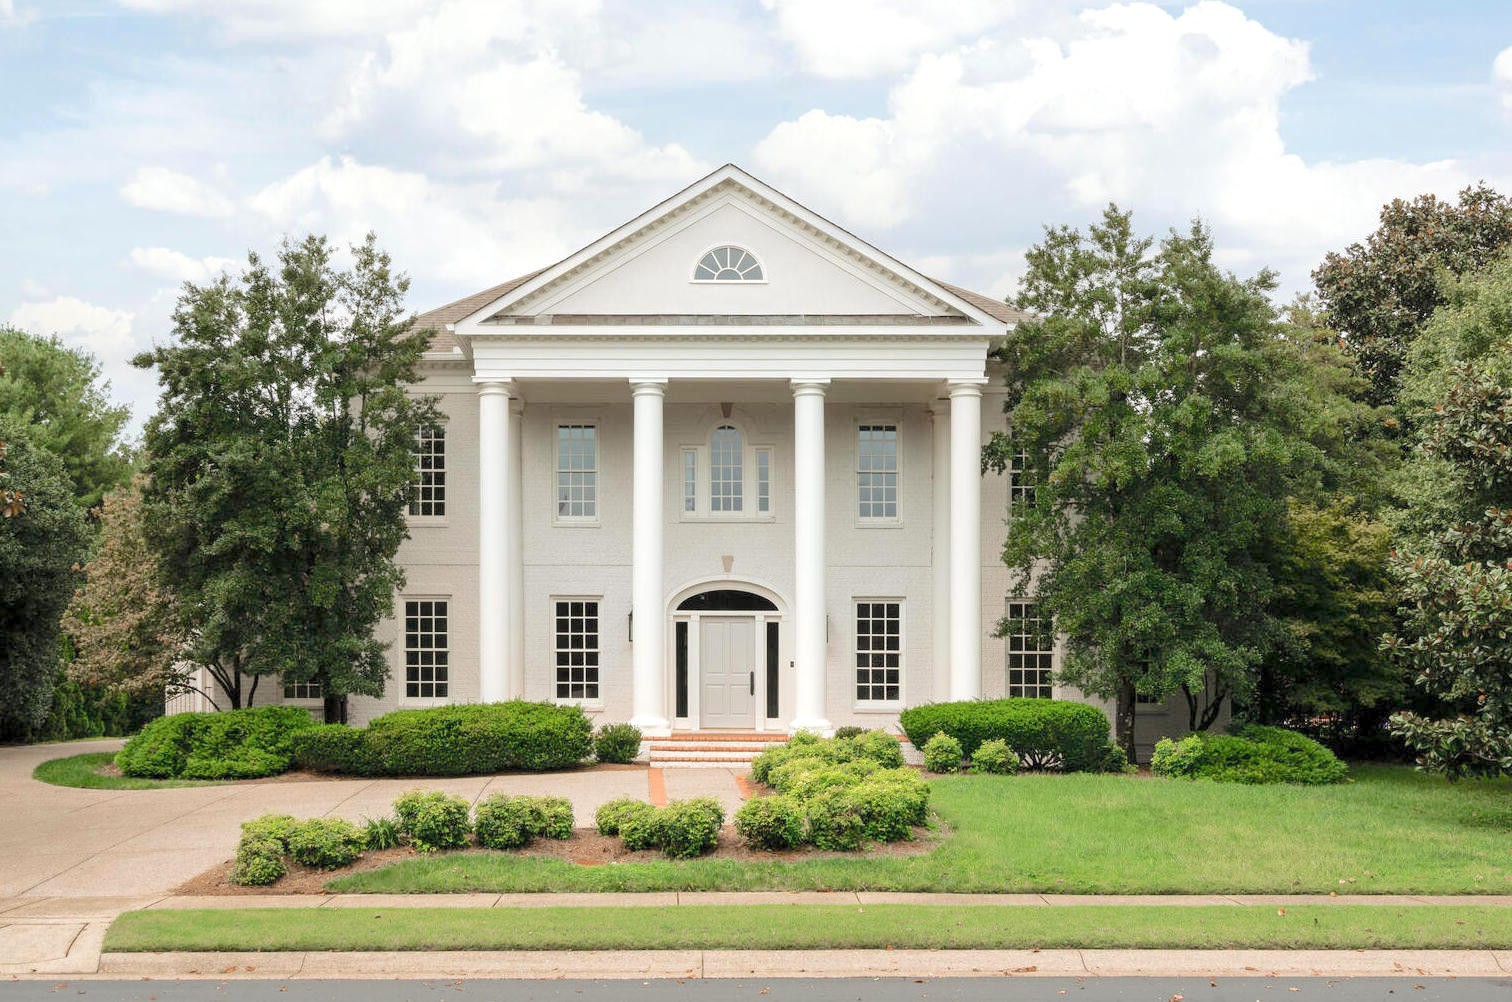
(1391, 831)
(84, 771)
(797, 927)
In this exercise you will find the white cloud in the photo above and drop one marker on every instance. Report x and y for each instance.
(179, 267)
(464, 237)
(290, 19)
(13, 17)
(169, 191)
(1501, 75)
(868, 38)
(1173, 115)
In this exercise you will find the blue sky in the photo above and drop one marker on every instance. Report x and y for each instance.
(149, 142)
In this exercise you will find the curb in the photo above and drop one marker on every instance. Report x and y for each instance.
(644, 964)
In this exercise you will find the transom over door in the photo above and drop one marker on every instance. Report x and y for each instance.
(727, 672)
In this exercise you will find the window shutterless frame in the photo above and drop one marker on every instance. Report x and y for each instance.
(576, 649)
(878, 646)
(876, 498)
(576, 475)
(1030, 650)
(427, 648)
(427, 495)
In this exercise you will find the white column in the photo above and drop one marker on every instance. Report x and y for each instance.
(493, 541)
(808, 552)
(649, 639)
(939, 415)
(516, 560)
(966, 539)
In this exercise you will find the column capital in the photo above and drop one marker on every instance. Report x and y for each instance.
(648, 385)
(971, 387)
(803, 386)
(488, 387)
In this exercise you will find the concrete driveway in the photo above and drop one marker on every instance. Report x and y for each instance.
(62, 842)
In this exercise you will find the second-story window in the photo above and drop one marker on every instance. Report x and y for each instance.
(877, 471)
(577, 472)
(726, 470)
(428, 492)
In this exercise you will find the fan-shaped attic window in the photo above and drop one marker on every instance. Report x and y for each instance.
(728, 264)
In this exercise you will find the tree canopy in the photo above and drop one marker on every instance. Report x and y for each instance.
(279, 463)
(1378, 294)
(1166, 416)
(58, 394)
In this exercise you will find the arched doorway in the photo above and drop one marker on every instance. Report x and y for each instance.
(727, 639)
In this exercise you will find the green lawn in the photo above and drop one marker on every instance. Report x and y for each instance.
(1391, 831)
(84, 771)
(796, 927)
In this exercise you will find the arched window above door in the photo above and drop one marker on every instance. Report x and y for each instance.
(726, 600)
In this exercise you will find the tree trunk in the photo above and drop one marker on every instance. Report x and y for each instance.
(1123, 722)
(335, 709)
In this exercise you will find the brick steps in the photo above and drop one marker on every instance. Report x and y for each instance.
(710, 749)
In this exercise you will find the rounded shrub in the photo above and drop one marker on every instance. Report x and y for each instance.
(432, 820)
(325, 843)
(690, 827)
(807, 777)
(641, 829)
(886, 811)
(849, 731)
(609, 817)
(1044, 733)
(236, 744)
(472, 739)
(1176, 758)
(556, 817)
(259, 861)
(770, 823)
(507, 822)
(617, 743)
(994, 757)
(270, 826)
(834, 823)
(942, 753)
(1254, 754)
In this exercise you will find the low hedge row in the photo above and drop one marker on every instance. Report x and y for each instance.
(1043, 733)
(237, 744)
(682, 829)
(835, 794)
(461, 740)
(427, 820)
(1253, 754)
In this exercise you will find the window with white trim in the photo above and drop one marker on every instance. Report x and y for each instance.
(577, 472)
(1031, 652)
(877, 471)
(726, 470)
(427, 496)
(426, 652)
(879, 651)
(1020, 482)
(690, 479)
(577, 648)
(302, 690)
(728, 264)
(763, 481)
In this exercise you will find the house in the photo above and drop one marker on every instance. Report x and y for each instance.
(718, 470)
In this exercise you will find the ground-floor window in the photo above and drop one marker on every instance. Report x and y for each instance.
(302, 690)
(879, 651)
(577, 648)
(426, 651)
(1031, 652)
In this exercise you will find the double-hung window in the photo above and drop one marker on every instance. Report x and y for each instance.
(877, 472)
(1031, 652)
(879, 651)
(1020, 483)
(302, 690)
(427, 655)
(427, 496)
(577, 473)
(577, 648)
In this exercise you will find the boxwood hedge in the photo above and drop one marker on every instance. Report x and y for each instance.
(237, 744)
(1253, 754)
(452, 741)
(1044, 733)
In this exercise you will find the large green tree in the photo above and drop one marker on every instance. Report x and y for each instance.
(40, 552)
(1455, 569)
(1378, 294)
(1166, 416)
(58, 393)
(279, 462)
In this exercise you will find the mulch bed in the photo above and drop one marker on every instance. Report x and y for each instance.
(586, 847)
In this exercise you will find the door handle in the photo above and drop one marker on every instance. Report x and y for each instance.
(753, 683)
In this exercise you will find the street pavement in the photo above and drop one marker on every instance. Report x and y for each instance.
(1195, 989)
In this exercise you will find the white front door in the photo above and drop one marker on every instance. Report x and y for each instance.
(727, 672)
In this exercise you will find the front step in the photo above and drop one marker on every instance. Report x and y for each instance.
(710, 749)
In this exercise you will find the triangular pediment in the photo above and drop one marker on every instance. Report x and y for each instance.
(810, 270)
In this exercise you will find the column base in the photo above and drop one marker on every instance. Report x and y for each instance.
(652, 727)
(820, 727)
